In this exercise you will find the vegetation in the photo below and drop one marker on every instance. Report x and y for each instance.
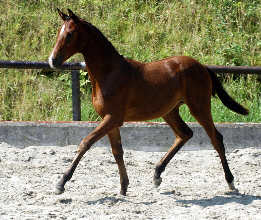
(219, 32)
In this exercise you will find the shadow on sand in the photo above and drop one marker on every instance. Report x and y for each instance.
(231, 197)
(111, 200)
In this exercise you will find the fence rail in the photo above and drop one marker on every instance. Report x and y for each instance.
(75, 67)
(81, 65)
(236, 69)
(39, 65)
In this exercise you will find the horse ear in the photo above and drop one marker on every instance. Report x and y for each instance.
(62, 15)
(73, 16)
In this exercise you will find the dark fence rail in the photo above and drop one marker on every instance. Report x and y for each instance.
(236, 69)
(75, 67)
(81, 65)
(39, 65)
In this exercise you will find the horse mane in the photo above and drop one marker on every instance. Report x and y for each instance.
(100, 36)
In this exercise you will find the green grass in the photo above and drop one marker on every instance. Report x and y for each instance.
(219, 32)
(32, 97)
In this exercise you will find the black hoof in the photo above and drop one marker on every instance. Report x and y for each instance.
(123, 192)
(59, 189)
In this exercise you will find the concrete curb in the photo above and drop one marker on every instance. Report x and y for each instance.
(136, 136)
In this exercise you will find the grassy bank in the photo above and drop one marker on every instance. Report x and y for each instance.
(220, 32)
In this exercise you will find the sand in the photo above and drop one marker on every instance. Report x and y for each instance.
(193, 185)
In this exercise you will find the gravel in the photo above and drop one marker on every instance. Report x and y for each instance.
(193, 185)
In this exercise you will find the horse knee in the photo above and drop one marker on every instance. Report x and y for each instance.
(83, 146)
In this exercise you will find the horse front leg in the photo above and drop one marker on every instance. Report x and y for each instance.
(101, 130)
(117, 151)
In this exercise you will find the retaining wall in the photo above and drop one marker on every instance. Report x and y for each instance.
(137, 136)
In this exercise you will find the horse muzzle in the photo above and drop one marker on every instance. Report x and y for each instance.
(55, 62)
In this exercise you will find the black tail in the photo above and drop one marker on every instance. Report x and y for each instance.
(224, 97)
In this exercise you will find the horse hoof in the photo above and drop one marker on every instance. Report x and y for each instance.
(123, 192)
(232, 187)
(157, 181)
(59, 190)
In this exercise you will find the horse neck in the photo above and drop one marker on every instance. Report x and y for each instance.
(99, 63)
(101, 58)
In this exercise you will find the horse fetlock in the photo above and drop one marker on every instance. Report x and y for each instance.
(158, 170)
(232, 187)
(125, 182)
(124, 187)
(229, 178)
(59, 189)
(124, 190)
(156, 178)
(157, 181)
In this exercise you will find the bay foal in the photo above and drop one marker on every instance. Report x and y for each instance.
(127, 90)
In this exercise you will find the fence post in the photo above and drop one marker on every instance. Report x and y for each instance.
(76, 100)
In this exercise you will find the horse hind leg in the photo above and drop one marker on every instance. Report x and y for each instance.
(202, 113)
(182, 132)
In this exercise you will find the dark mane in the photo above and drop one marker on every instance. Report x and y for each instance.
(100, 36)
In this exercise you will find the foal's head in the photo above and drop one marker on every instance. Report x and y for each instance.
(69, 40)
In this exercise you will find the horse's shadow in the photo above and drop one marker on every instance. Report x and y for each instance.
(111, 200)
(107, 199)
(237, 197)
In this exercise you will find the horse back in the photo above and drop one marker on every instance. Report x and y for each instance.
(157, 87)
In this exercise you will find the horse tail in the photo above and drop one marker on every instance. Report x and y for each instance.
(227, 100)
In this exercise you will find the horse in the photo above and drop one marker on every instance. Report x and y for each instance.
(127, 90)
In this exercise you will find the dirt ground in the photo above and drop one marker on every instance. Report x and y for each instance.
(193, 185)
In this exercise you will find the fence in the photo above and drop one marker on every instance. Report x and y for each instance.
(75, 67)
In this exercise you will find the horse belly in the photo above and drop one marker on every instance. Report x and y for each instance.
(150, 105)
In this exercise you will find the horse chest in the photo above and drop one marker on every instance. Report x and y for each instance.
(98, 101)
(106, 100)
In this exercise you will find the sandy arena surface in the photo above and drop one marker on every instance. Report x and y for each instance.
(193, 185)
